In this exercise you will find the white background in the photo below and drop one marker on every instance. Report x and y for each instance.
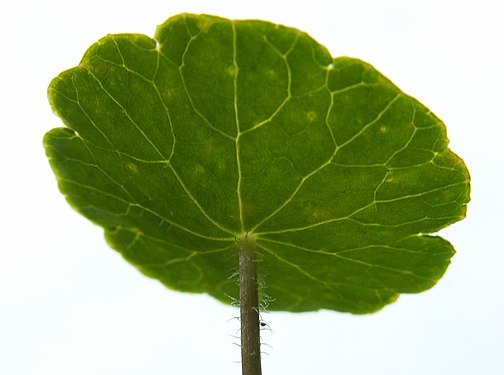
(70, 305)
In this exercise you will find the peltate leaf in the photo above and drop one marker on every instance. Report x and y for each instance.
(181, 145)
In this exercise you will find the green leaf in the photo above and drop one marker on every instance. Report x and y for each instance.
(182, 145)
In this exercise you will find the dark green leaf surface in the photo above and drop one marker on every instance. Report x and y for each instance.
(181, 145)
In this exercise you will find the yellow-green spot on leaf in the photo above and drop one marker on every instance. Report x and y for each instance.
(229, 129)
(311, 116)
(132, 167)
(231, 70)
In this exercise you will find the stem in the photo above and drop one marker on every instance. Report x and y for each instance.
(249, 309)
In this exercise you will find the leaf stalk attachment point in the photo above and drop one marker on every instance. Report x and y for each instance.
(249, 308)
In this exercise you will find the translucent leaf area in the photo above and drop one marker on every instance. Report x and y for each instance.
(179, 146)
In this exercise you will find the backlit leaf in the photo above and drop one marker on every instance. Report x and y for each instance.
(180, 146)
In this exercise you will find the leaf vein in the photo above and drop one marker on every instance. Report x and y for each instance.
(125, 111)
(195, 201)
(238, 132)
(142, 207)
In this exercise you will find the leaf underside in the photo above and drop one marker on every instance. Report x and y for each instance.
(182, 145)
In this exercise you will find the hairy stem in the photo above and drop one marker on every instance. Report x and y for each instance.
(249, 309)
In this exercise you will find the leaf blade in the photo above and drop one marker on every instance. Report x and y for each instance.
(181, 144)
